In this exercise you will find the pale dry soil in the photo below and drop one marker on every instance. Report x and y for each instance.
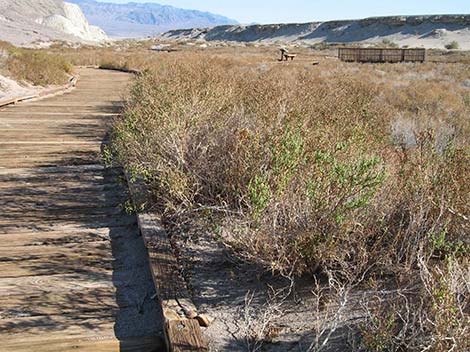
(220, 286)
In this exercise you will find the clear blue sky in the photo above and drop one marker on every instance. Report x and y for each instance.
(276, 11)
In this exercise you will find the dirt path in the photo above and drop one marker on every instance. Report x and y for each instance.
(73, 269)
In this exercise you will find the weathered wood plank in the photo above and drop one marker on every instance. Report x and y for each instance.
(64, 235)
(61, 183)
(182, 331)
(87, 344)
(41, 220)
(166, 271)
(59, 303)
(68, 281)
(57, 264)
(54, 326)
(50, 208)
(55, 199)
(66, 250)
(185, 336)
(66, 169)
(28, 227)
(58, 283)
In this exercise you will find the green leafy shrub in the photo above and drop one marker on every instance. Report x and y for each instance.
(452, 46)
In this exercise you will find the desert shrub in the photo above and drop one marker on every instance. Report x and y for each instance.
(432, 316)
(37, 67)
(321, 46)
(389, 44)
(305, 169)
(110, 65)
(301, 171)
(5, 45)
(3, 56)
(452, 46)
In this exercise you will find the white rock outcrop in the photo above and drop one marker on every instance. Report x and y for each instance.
(73, 22)
(34, 22)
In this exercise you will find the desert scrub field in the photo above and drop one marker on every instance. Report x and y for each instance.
(34, 66)
(357, 173)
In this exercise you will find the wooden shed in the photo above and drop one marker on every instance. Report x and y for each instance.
(381, 55)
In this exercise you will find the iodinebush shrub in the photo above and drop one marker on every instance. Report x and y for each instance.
(37, 67)
(303, 164)
(300, 172)
(109, 65)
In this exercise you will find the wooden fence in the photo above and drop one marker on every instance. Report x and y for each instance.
(381, 55)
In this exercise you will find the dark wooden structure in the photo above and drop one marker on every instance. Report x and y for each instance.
(182, 322)
(286, 56)
(381, 55)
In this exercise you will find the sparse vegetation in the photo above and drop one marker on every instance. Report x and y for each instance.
(356, 173)
(341, 173)
(453, 45)
(36, 66)
(114, 66)
(322, 46)
(389, 44)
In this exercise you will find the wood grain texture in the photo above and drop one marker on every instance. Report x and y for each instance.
(70, 275)
(87, 344)
(185, 335)
(182, 330)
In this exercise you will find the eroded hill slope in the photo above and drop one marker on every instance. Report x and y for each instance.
(422, 31)
(27, 22)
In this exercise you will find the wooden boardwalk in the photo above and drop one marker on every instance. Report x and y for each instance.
(74, 275)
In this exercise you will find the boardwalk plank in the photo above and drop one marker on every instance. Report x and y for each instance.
(71, 276)
(87, 344)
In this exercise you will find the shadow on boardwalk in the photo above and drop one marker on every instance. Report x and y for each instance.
(77, 262)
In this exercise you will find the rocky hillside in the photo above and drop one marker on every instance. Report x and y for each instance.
(421, 31)
(28, 22)
(144, 19)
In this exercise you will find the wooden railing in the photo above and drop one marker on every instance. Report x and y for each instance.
(381, 55)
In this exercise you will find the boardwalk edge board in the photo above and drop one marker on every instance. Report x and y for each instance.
(46, 93)
(125, 70)
(182, 328)
(71, 276)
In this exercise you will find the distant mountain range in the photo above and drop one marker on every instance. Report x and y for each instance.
(134, 20)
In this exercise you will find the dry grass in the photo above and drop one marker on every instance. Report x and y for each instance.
(355, 171)
(358, 171)
(34, 66)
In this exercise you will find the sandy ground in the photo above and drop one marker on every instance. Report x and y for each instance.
(222, 288)
(12, 89)
(142, 318)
